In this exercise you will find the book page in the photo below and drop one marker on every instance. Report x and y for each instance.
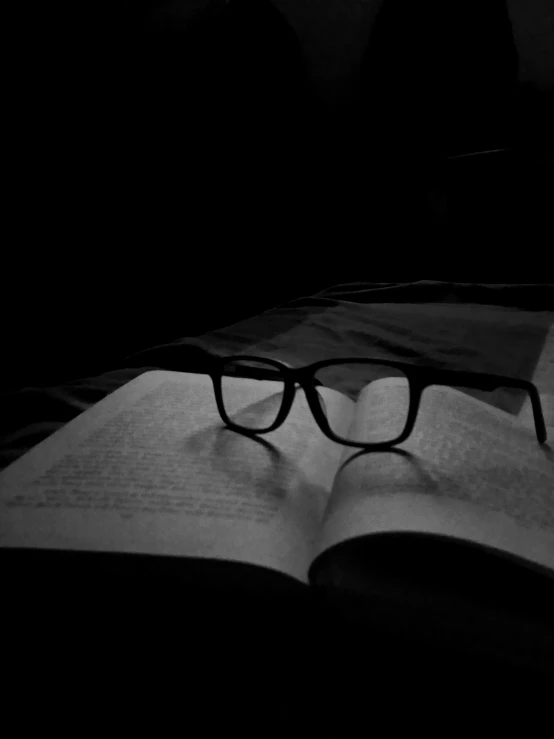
(468, 470)
(152, 469)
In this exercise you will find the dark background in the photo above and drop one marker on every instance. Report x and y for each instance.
(169, 172)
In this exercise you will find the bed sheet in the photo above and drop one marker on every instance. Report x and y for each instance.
(499, 328)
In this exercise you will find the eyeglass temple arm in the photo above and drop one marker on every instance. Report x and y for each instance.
(492, 382)
(540, 426)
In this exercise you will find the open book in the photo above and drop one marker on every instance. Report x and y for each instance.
(151, 469)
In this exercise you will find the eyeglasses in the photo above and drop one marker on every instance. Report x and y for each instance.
(399, 409)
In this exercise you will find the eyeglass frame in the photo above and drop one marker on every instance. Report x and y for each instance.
(419, 378)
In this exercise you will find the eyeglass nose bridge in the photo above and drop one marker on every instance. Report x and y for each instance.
(317, 405)
(289, 394)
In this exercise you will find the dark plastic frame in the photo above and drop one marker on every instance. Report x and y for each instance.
(419, 378)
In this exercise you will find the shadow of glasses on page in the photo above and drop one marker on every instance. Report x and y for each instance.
(522, 493)
(390, 471)
(252, 465)
(417, 465)
(411, 460)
